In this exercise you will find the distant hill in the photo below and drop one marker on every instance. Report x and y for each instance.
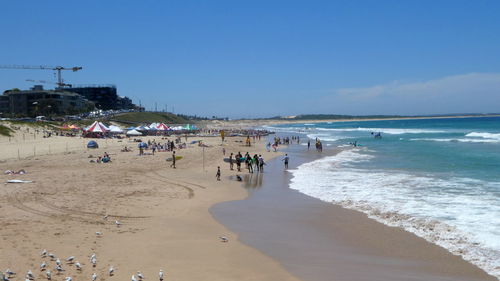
(348, 117)
(148, 117)
(335, 117)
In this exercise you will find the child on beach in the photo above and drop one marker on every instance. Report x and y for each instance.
(217, 176)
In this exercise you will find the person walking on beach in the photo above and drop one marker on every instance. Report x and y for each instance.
(261, 164)
(308, 144)
(173, 160)
(286, 161)
(217, 176)
(231, 163)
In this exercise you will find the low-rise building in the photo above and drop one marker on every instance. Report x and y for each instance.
(37, 101)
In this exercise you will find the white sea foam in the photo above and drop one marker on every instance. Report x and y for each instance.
(447, 212)
(484, 135)
(457, 140)
(391, 131)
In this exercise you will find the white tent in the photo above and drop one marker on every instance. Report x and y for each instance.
(115, 129)
(134, 133)
(97, 127)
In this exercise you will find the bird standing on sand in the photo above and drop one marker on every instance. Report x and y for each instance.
(59, 269)
(118, 223)
(105, 217)
(161, 274)
(68, 278)
(224, 239)
(111, 271)
(78, 266)
(94, 276)
(29, 275)
(9, 272)
(3, 277)
(52, 256)
(58, 261)
(98, 234)
(93, 261)
(48, 274)
(133, 278)
(43, 265)
(139, 275)
(70, 259)
(44, 253)
(93, 256)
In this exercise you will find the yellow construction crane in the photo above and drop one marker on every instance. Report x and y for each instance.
(60, 81)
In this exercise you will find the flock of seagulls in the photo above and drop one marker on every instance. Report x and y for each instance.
(30, 276)
(72, 261)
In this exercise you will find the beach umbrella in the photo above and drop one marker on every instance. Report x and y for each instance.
(134, 133)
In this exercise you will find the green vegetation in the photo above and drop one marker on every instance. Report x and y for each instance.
(148, 117)
(5, 131)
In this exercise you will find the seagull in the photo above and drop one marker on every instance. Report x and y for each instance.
(68, 279)
(59, 269)
(10, 272)
(30, 275)
(161, 274)
(133, 278)
(43, 265)
(27, 279)
(139, 274)
(118, 223)
(98, 233)
(94, 276)
(70, 259)
(105, 217)
(58, 262)
(44, 253)
(78, 266)
(52, 256)
(223, 239)
(111, 271)
(3, 277)
(49, 275)
(93, 261)
(93, 256)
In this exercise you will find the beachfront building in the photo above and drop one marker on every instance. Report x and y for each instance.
(38, 101)
(104, 97)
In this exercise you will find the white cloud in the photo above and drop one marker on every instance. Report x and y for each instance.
(473, 92)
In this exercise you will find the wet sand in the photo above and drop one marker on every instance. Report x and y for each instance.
(315, 240)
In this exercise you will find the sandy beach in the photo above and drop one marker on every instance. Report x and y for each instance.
(166, 223)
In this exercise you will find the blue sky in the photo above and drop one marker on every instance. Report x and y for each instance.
(266, 58)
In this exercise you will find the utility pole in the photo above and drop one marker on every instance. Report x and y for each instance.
(156, 107)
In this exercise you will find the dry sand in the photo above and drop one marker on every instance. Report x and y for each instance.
(164, 213)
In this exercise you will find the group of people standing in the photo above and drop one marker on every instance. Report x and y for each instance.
(252, 163)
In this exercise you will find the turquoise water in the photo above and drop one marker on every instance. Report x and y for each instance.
(438, 178)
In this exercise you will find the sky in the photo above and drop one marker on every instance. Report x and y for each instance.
(246, 59)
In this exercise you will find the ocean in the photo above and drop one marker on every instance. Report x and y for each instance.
(436, 178)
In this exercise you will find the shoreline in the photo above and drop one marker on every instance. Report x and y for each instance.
(404, 254)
